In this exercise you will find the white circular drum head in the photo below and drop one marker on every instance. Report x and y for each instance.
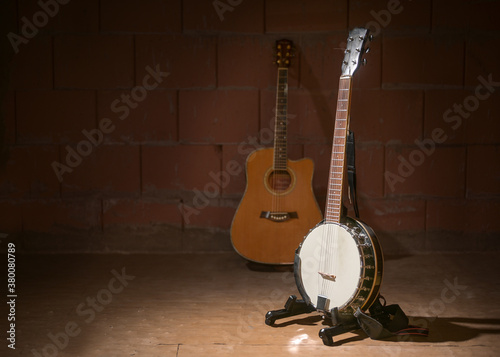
(330, 265)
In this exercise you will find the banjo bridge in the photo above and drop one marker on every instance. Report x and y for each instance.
(327, 276)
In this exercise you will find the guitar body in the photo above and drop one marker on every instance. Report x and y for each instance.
(339, 265)
(271, 222)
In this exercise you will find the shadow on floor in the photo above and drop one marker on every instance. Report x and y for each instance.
(456, 329)
(448, 329)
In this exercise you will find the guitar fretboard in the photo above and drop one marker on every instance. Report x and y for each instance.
(335, 180)
(280, 139)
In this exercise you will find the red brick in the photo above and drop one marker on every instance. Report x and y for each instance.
(74, 17)
(247, 17)
(463, 118)
(321, 155)
(28, 73)
(54, 116)
(302, 16)
(9, 113)
(181, 167)
(310, 116)
(108, 169)
(248, 61)
(12, 219)
(62, 215)
(10, 19)
(449, 14)
(389, 215)
(190, 60)
(387, 116)
(93, 61)
(437, 60)
(438, 174)
(321, 61)
(78, 17)
(28, 172)
(153, 119)
(480, 60)
(465, 15)
(143, 16)
(483, 170)
(469, 216)
(483, 126)
(447, 215)
(369, 170)
(219, 116)
(379, 17)
(142, 212)
(439, 113)
(234, 157)
(209, 217)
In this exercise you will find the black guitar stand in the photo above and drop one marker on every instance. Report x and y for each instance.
(293, 306)
(382, 322)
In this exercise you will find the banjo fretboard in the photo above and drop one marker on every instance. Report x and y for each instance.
(335, 180)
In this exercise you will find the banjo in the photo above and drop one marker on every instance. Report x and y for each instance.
(338, 266)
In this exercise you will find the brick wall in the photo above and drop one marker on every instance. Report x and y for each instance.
(126, 124)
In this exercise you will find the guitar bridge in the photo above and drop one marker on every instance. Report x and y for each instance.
(278, 216)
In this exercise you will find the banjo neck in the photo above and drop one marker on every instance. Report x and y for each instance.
(337, 163)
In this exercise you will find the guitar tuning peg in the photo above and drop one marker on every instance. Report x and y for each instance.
(364, 61)
(367, 50)
(370, 37)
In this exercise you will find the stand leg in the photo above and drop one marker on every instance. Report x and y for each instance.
(292, 307)
(326, 334)
(341, 324)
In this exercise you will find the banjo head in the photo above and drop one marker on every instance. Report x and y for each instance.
(339, 266)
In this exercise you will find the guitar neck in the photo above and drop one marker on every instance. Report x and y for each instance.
(280, 146)
(337, 163)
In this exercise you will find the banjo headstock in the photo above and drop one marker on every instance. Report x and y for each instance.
(358, 37)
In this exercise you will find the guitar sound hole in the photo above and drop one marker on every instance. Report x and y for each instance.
(279, 180)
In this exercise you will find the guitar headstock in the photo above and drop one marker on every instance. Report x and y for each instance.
(284, 53)
(358, 37)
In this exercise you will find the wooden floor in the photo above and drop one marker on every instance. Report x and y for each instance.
(214, 305)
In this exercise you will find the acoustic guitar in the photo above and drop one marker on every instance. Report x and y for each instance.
(278, 207)
(339, 265)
